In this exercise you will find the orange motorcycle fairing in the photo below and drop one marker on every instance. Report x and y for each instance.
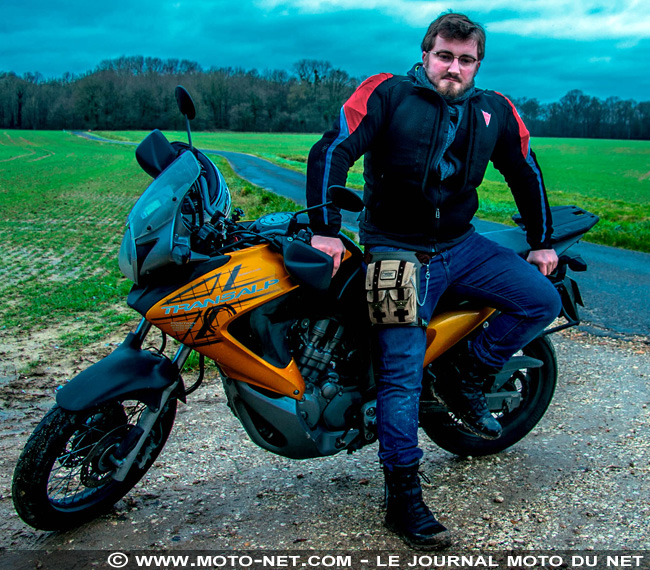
(198, 315)
(446, 329)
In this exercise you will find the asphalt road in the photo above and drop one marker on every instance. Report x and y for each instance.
(615, 288)
(283, 181)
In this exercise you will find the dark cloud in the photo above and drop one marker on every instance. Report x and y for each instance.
(351, 40)
(547, 69)
(53, 39)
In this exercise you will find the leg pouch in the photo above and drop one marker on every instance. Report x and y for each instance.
(391, 290)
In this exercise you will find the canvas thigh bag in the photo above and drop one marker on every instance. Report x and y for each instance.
(392, 281)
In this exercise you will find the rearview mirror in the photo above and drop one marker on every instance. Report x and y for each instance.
(345, 198)
(185, 102)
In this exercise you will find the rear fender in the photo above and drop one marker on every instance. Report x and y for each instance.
(127, 373)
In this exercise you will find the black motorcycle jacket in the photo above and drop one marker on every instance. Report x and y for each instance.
(400, 126)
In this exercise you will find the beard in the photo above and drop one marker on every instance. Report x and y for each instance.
(451, 90)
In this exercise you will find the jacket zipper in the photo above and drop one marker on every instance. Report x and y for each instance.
(433, 158)
(470, 147)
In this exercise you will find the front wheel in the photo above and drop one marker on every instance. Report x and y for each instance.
(64, 475)
(535, 386)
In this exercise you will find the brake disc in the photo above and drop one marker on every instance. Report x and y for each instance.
(97, 467)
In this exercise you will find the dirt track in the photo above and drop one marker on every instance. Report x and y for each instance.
(579, 481)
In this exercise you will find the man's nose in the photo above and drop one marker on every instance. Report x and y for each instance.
(454, 67)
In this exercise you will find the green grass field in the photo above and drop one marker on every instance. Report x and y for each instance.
(608, 178)
(64, 201)
(63, 205)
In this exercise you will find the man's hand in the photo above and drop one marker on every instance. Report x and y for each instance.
(331, 246)
(545, 259)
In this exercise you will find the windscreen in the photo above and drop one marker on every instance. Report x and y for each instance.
(161, 200)
(155, 225)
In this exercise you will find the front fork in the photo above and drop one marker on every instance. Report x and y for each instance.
(126, 454)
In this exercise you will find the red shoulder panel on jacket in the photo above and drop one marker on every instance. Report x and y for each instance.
(523, 131)
(356, 107)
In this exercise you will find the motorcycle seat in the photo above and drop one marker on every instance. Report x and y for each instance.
(569, 223)
(512, 238)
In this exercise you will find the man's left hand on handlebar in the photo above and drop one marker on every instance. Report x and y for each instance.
(332, 246)
(545, 259)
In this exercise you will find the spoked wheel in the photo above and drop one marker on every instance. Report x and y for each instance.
(64, 476)
(530, 393)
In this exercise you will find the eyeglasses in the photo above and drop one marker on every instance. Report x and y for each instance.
(447, 58)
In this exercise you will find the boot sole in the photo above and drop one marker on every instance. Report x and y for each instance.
(465, 423)
(438, 542)
(477, 432)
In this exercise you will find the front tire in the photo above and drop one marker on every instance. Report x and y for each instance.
(536, 386)
(63, 477)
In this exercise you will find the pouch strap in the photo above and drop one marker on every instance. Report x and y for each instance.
(375, 286)
(400, 273)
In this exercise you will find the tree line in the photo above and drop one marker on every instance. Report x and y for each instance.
(581, 116)
(138, 93)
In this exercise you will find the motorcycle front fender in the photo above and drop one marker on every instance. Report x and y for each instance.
(128, 373)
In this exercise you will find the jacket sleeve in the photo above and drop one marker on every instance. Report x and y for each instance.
(333, 155)
(514, 158)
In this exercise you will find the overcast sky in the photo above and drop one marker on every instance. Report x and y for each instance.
(535, 48)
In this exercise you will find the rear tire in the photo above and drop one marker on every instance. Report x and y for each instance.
(63, 477)
(536, 386)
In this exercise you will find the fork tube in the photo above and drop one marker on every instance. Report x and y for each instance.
(181, 356)
(149, 417)
(145, 423)
(143, 329)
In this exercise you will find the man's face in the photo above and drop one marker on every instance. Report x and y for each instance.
(453, 79)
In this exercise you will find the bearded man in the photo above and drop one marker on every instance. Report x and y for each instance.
(427, 138)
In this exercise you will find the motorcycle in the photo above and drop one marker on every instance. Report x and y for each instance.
(292, 343)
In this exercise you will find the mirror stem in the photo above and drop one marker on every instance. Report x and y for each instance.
(324, 204)
(294, 218)
(189, 133)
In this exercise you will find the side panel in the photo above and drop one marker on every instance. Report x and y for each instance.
(199, 313)
(447, 328)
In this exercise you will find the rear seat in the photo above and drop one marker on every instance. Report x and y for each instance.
(569, 222)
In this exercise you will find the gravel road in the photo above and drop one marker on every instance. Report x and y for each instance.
(579, 481)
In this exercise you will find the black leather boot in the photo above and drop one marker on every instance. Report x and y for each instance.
(406, 513)
(460, 386)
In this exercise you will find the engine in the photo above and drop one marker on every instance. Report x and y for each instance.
(337, 410)
(335, 376)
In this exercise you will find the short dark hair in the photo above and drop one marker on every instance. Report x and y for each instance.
(453, 26)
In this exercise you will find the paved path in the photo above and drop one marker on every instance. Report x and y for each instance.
(276, 179)
(615, 288)
(266, 175)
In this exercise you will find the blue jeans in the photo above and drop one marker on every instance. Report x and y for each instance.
(476, 269)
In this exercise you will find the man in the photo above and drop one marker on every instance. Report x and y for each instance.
(427, 139)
